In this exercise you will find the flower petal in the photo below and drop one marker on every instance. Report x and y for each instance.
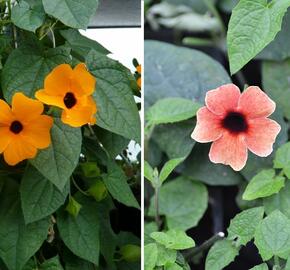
(223, 99)
(207, 127)
(229, 150)
(58, 81)
(37, 133)
(83, 79)
(6, 116)
(25, 108)
(255, 103)
(55, 100)
(6, 138)
(262, 135)
(18, 150)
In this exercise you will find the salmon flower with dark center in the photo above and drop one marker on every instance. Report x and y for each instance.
(23, 129)
(71, 90)
(236, 122)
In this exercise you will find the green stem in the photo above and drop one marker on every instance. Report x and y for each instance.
(277, 265)
(157, 216)
(52, 37)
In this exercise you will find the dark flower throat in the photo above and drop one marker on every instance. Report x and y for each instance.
(69, 100)
(235, 122)
(16, 127)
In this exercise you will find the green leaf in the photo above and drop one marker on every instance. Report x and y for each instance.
(52, 264)
(277, 84)
(278, 49)
(287, 266)
(148, 229)
(165, 256)
(18, 242)
(253, 25)
(264, 184)
(272, 236)
(243, 225)
(73, 207)
(172, 71)
(168, 168)
(117, 110)
(116, 183)
(81, 44)
(262, 266)
(173, 239)
(198, 166)
(59, 160)
(149, 172)
(28, 14)
(76, 14)
(27, 67)
(39, 197)
(130, 253)
(171, 110)
(221, 254)
(174, 266)
(81, 234)
(179, 133)
(183, 202)
(150, 256)
(282, 159)
(280, 201)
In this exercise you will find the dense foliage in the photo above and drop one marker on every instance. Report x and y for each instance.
(65, 208)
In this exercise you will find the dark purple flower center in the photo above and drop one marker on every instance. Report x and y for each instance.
(69, 100)
(16, 127)
(235, 122)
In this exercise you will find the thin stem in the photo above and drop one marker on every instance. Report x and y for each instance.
(277, 263)
(193, 252)
(97, 139)
(49, 29)
(78, 187)
(52, 37)
(157, 217)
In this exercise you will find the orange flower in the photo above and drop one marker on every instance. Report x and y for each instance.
(23, 129)
(139, 71)
(71, 90)
(236, 122)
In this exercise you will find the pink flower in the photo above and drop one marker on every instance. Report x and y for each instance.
(236, 122)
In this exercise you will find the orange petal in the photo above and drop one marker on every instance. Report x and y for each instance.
(37, 132)
(255, 103)
(6, 115)
(229, 150)
(139, 82)
(6, 138)
(58, 81)
(262, 135)
(208, 127)
(18, 150)
(25, 108)
(139, 69)
(223, 99)
(83, 81)
(78, 116)
(49, 99)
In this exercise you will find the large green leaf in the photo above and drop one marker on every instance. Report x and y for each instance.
(150, 256)
(117, 110)
(27, 67)
(179, 133)
(262, 266)
(264, 184)
(81, 44)
(277, 84)
(280, 201)
(81, 234)
(116, 183)
(165, 256)
(282, 159)
(243, 225)
(168, 168)
(59, 160)
(39, 197)
(173, 71)
(278, 49)
(253, 25)
(76, 14)
(272, 236)
(198, 166)
(182, 201)
(221, 254)
(28, 14)
(18, 242)
(171, 110)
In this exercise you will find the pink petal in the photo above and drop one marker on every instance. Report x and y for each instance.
(223, 99)
(262, 135)
(208, 126)
(229, 150)
(255, 103)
